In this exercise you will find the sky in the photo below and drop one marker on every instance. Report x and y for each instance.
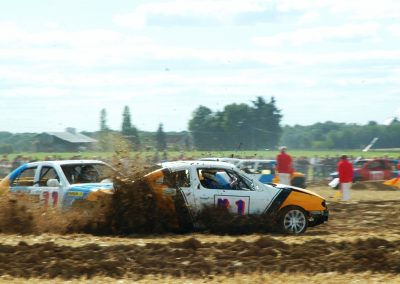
(62, 61)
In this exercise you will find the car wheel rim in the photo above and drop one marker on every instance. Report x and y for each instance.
(294, 221)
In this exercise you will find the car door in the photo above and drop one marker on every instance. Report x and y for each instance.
(228, 189)
(387, 169)
(375, 170)
(23, 180)
(49, 192)
(184, 183)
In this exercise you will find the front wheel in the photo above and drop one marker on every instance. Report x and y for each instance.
(293, 220)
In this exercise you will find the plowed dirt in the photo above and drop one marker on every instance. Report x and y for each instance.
(359, 243)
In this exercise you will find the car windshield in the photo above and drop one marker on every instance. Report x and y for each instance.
(87, 173)
(360, 164)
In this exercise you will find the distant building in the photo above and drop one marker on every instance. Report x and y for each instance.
(68, 141)
(179, 140)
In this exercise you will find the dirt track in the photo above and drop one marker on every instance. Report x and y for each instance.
(361, 237)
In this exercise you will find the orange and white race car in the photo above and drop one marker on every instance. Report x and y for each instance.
(209, 183)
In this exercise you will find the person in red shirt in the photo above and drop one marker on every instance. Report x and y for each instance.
(398, 168)
(346, 173)
(284, 166)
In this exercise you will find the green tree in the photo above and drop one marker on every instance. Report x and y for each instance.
(129, 131)
(161, 139)
(265, 125)
(6, 149)
(237, 126)
(103, 121)
(199, 126)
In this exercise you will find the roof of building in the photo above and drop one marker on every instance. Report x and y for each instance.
(72, 137)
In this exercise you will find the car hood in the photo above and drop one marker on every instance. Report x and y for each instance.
(299, 190)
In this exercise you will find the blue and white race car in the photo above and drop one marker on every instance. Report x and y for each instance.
(60, 183)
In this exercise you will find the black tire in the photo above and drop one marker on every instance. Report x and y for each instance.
(293, 220)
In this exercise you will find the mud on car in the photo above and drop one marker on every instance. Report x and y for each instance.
(201, 184)
(60, 183)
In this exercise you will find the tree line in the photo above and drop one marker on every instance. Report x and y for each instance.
(333, 135)
(253, 126)
(237, 126)
(128, 131)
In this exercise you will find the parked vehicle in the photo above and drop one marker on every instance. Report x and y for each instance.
(373, 170)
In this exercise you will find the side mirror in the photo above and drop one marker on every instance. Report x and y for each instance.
(53, 183)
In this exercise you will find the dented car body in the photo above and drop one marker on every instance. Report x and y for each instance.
(210, 183)
(60, 184)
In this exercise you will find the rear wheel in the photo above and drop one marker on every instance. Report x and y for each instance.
(293, 220)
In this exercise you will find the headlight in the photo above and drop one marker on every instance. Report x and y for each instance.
(323, 203)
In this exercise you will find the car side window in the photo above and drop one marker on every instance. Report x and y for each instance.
(375, 166)
(239, 183)
(221, 179)
(210, 179)
(262, 166)
(25, 178)
(46, 174)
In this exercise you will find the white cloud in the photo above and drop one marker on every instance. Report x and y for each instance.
(309, 17)
(221, 10)
(394, 30)
(313, 35)
(356, 9)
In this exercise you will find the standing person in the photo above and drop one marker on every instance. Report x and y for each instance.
(346, 172)
(398, 168)
(284, 166)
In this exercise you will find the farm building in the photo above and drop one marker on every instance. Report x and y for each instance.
(67, 141)
(179, 140)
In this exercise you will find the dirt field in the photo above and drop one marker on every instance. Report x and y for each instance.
(359, 244)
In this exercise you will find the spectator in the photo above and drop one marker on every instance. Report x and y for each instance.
(398, 168)
(346, 172)
(284, 166)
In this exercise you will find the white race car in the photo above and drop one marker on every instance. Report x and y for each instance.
(60, 183)
(210, 183)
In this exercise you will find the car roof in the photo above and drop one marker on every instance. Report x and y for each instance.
(64, 162)
(258, 160)
(220, 159)
(177, 165)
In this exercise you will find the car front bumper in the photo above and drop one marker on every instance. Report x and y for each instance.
(318, 217)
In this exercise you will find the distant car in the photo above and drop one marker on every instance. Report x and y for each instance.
(233, 161)
(210, 183)
(265, 171)
(60, 183)
(373, 170)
